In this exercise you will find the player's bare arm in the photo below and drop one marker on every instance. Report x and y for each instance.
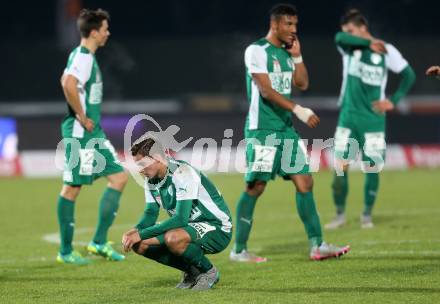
(69, 84)
(267, 92)
(300, 77)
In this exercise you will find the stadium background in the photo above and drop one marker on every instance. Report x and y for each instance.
(182, 63)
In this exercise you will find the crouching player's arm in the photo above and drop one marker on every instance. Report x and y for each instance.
(149, 218)
(178, 220)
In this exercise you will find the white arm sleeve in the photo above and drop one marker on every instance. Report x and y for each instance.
(255, 59)
(395, 61)
(81, 67)
(187, 182)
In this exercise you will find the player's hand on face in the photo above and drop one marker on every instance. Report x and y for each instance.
(295, 49)
(433, 71)
(382, 106)
(313, 121)
(378, 46)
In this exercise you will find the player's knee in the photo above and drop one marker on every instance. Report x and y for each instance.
(305, 185)
(255, 188)
(172, 240)
(176, 242)
(70, 192)
(119, 181)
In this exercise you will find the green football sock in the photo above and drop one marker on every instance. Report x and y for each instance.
(65, 211)
(370, 191)
(194, 255)
(107, 212)
(305, 205)
(161, 254)
(340, 191)
(245, 211)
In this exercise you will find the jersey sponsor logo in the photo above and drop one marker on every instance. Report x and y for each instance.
(281, 82)
(369, 74)
(95, 96)
(202, 228)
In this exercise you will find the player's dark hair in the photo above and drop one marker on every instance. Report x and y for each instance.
(282, 9)
(354, 16)
(147, 147)
(89, 20)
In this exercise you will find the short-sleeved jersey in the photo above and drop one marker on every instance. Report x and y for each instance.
(83, 66)
(264, 57)
(364, 81)
(187, 183)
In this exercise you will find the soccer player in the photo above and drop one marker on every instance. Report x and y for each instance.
(366, 61)
(273, 65)
(82, 86)
(200, 222)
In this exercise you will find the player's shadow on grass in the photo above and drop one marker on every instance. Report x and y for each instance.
(299, 248)
(162, 282)
(421, 269)
(350, 290)
(51, 279)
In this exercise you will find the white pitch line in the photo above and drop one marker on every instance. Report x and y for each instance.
(54, 238)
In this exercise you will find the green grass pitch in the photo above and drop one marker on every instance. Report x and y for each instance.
(396, 262)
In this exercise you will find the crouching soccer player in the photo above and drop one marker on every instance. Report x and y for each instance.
(200, 222)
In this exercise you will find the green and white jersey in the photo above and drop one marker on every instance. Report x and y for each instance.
(186, 183)
(264, 57)
(364, 81)
(83, 66)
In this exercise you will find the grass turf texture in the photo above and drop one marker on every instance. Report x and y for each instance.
(396, 262)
